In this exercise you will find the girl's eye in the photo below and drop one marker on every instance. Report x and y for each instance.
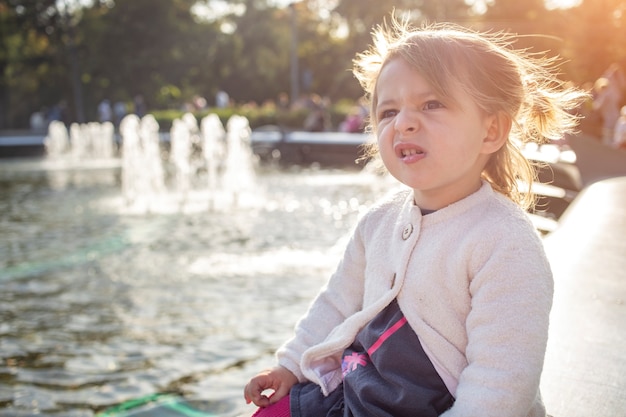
(387, 113)
(433, 105)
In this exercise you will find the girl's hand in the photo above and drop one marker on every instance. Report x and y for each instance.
(278, 379)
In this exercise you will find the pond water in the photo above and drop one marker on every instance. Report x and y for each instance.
(100, 304)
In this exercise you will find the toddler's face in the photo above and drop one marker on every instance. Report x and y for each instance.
(434, 145)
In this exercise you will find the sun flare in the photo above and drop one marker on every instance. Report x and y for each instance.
(562, 4)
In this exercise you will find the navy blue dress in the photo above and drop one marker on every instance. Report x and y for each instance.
(385, 374)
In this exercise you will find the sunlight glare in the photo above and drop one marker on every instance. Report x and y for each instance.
(561, 4)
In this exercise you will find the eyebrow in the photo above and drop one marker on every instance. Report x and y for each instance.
(421, 96)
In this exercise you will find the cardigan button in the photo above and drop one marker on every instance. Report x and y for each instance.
(406, 232)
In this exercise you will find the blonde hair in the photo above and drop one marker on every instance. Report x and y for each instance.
(499, 79)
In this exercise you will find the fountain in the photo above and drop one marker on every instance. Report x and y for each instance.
(57, 142)
(238, 177)
(180, 157)
(87, 141)
(90, 146)
(142, 170)
(100, 304)
(92, 141)
(151, 144)
(152, 275)
(208, 168)
(213, 147)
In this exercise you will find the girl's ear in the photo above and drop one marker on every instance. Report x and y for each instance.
(498, 129)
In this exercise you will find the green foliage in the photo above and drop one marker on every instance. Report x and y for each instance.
(163, 51)
(257, 116)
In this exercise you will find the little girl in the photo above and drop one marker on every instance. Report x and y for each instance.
(440, 305)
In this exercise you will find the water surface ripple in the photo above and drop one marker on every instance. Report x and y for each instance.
(98, 305)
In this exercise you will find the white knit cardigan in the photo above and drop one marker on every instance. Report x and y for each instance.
(472, 280)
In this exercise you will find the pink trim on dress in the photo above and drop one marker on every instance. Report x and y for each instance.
(386, 335)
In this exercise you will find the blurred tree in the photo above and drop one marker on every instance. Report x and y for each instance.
(31, 58)
(588, 38)
(142, 47)
(172, 50)
(358, 18)
(595, 38)
(538, 29)
(252, 61)
(324, 61)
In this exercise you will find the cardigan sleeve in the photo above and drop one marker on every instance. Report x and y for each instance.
(340, 298)
(507, 327)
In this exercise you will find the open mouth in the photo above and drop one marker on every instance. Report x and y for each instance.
(410, 152)
(407, 151)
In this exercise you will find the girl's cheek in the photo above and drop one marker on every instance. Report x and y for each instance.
(384, 131)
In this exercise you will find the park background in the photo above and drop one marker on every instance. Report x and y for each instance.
(70, 55)
(104, 302)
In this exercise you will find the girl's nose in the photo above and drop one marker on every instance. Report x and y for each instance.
(405, 122)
